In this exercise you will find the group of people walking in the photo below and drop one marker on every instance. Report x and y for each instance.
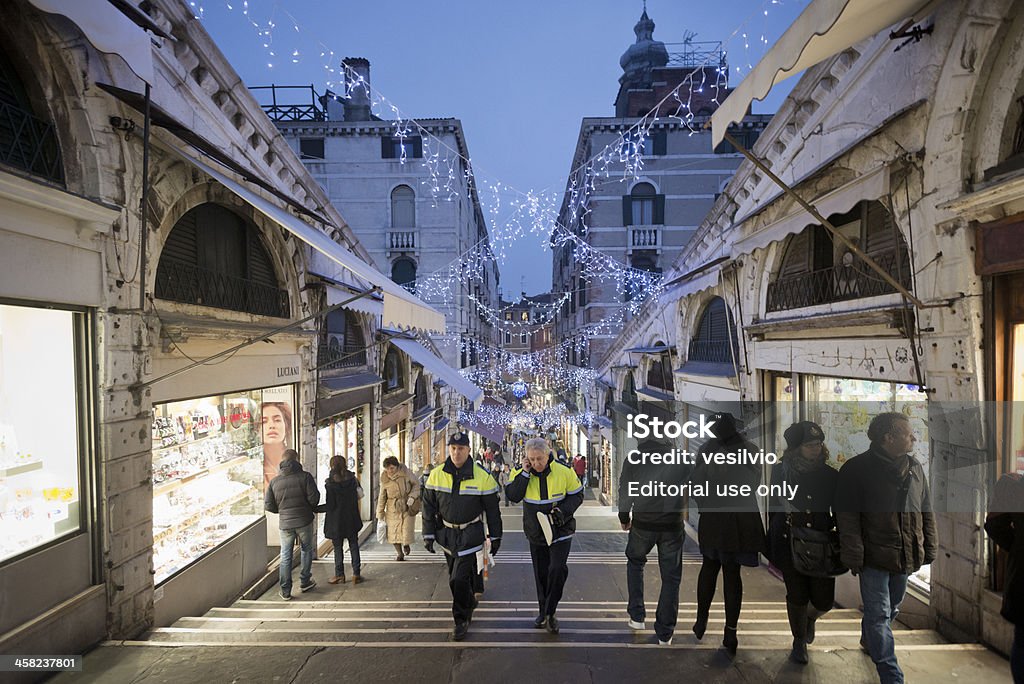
(873, 518)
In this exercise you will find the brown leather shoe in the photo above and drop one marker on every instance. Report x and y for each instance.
(337, 579)
(358, 579)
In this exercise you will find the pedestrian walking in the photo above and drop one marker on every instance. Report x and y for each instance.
(1005, 525)
(804, 466)
(886, 531)
(550, 493)
(579, 466)
(458, 495)
(399, 495)
(653, 521)
(294, 496)
(341, 519)
(503, 480)
(729, 531)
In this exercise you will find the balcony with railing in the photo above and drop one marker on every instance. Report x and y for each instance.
(852, 279)
(180, 282)
(710, 351)
(645, 237)
(401, 240)
(333, 357)
(29, 143)
(289, 103)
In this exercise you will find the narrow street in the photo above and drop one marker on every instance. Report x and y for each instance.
(397, 626)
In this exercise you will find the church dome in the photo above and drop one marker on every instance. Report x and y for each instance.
(646, 53)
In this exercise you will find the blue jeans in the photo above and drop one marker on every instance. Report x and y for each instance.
(882, 593)
(339, 555)
(307, 539)
(670, 563)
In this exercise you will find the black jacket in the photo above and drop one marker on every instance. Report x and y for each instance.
(812, 506)
(342, 519)
(554, 487)
(293, 494)
(460, 496)
(728, 523)
(652, 513)
(885, 517)
(1007, 530)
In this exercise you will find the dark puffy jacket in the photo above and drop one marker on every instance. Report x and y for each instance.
(885, 517)
(652, 513)
(812, 506)
(294, 495)
(728, 523)
(1007, 530)
(342, 518)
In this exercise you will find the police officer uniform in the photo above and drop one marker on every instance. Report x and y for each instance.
(557, 493)
(455, 503)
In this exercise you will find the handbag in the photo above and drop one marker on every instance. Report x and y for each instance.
(382, 532)
(815, 553)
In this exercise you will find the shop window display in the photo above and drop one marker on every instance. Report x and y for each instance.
(345, 437)
(40, 445)
(210, 458)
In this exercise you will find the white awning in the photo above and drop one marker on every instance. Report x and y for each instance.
(698, 283)
(401, 308)
(371, 304)
(439, 368)
(823, 29)
(108, 30)
(872, 185)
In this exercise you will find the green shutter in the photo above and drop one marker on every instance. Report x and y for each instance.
(386, 148)
(627, 210)
(659, 210)
(660, 140)
(417, 147)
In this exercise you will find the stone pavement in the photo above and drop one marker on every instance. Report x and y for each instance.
(396, 627)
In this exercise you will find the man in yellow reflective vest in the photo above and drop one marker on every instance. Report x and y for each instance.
(457, 497)
(550, 493)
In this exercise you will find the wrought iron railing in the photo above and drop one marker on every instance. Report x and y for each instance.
(180, 282)
(290, 111)
(851, 280)
(333, 358)
(711, 351)
(29, 143)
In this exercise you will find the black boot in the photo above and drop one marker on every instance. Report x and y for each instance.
(812, 617)
(730, 640)
(797, 613)
(701, 625)
(799, 652)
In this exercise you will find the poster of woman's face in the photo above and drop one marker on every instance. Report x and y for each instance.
(276, 432)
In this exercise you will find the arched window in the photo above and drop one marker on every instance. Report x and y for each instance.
(393, 377)
(609, 401)
(344, 345)
(818, 269)
(642, 195)
(403, 272)
(629, 397)
(659, 374)
(27, 141)
(403, 207)
(214, 257)
(419, 401)
(715, 340)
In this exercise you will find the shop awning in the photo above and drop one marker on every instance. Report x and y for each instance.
(441, 424)
(872, 185)
(339, 291)
(654, 394)
(489, 431)
(605, 383)
(347, 383)
(108, 30)
(603, 421)
(438, 368)
(401, 309)
(824, 28)
(660, 349)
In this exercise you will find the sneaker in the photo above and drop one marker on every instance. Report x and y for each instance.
(461, 630)
(540, 621)
(358, 579)
(552, 624)
(306, 587)
(286, 595)
(637, 624)
(665, 642)
(337, 579)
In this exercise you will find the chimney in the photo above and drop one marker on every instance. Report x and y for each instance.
(357, 89)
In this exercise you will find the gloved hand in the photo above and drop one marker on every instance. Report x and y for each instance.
(429, 545)
(557, 517)
(495, 545)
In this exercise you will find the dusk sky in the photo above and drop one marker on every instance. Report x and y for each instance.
(520, 75)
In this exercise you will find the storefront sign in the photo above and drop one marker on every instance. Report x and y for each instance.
(1000, 246)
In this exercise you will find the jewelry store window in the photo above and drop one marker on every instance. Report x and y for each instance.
(43, 423)
(212, 459)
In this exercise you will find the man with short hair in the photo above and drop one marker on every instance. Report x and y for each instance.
(293, 495)
(579, 466)
(886, 529)
(457, 497)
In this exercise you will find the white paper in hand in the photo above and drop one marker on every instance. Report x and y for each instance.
(545, 526)
(382, 532)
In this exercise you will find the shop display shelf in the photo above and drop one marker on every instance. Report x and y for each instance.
(197, 517)
(171, 485)
(10, 471)
(176, 445)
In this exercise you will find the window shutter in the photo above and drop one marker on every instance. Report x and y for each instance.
(796, 260)
(181, 243)
(261, 270)
(660, 142)
(417, 147)
(387, 150)
(659, 210)
(627, 210)
(880, 229)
